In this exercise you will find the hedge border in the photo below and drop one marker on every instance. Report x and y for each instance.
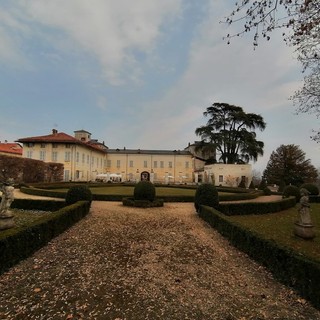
(245, 208)
(290, 268)
(131, 202)
(235, 195)
(21, 243)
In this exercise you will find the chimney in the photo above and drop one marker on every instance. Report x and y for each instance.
(54, 131)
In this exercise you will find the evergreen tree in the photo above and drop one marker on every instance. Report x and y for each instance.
(288, 165)
(231, 132)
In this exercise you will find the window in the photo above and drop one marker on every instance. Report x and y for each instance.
(118, 163)
(83, 158)
(66, 175)
(161, 164)
(67, 156)
(155, 164)
(187, 164)
(145, 164)
(68, 146)
(220, 178)
(29, 154)
(42, 155)
(131, 163)
(108, 163)
(88, 159)
(54, 145)
(54, 156)
(77, 157)
(170, 164)
(30, 144)
(42, 145)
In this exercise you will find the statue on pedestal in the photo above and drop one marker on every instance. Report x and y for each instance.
(6, 215)
(304, 226)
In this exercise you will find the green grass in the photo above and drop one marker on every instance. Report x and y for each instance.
(279, 227)
(23, 219)
(128, 191)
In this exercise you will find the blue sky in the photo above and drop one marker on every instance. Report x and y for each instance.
(139, 74)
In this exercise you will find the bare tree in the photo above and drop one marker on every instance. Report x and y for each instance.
(300, 22)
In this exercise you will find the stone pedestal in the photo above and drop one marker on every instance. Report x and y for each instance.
(6, 223)
(305, 231)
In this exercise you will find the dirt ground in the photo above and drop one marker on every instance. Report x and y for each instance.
(125, 263)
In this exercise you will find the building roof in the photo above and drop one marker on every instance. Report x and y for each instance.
(11, 148)
(54, 137)
(58, 137)
(141, 151)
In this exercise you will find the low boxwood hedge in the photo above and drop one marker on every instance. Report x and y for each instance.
(289, 267)
(244, 208)
(32, 204)
(17, 244)
(43, 192)
(140, 203)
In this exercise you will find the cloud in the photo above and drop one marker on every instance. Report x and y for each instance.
(111, 32)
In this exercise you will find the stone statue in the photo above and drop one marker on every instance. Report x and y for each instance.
(6, 215)
(304, 226)
(304, 209)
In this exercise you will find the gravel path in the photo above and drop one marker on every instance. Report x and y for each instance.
(159, 263)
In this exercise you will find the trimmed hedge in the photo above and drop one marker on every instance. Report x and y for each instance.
(245, 208)
(229, 194)
(289, 267)
(43, 192)
(31, 204)
(144, 190)
(206, 194)
(314, 199)
(131, 202)
(312, 188)
(17, 244)
(78, 193)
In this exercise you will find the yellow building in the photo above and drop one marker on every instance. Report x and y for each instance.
(158, 166)
(82, 158)
(85, 159)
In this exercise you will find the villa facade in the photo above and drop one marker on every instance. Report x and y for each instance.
(86, 159)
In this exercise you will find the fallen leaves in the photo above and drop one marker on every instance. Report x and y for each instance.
(123, 263)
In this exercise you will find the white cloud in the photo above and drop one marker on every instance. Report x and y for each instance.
(110, 31)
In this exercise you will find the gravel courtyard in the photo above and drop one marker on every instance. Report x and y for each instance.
(160, 263)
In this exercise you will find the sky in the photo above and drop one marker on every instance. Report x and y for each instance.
(140, 74)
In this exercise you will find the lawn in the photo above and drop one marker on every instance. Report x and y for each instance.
(128, 191)
(279, 227)
(23, 219)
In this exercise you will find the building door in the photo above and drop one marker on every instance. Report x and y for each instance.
(145, 176)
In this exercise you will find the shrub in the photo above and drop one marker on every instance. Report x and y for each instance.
(206, 194)
(263, 184)
(312, 188)
(266, 191)
(242, 184)
(78, 193)
(282, 186)
(144, 190)
(291, 191)
(251, 186)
